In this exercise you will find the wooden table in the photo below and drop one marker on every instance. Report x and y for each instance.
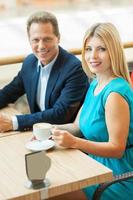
(71, 170)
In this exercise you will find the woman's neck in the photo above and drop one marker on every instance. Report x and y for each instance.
(103, 80)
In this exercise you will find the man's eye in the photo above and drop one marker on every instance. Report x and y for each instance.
(48, 40)
(35, 40)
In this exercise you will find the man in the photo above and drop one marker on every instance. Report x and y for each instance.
(51, 78)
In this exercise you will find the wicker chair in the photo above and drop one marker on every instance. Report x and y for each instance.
(102, 187)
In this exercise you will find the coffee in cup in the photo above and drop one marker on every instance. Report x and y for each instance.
(42, 131)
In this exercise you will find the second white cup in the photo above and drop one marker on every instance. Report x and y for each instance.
(42, 131)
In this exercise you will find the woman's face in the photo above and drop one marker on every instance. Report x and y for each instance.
(97, 56)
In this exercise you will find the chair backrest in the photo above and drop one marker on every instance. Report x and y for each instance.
(132, 76)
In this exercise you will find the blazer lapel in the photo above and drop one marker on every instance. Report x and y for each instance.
(52, 81)
(53, 78)
(34, 84)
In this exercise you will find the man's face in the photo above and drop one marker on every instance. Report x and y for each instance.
(43, 41)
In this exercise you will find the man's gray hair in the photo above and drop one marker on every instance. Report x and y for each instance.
(43, 17)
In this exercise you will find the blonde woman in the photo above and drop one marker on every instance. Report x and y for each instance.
(106, 118)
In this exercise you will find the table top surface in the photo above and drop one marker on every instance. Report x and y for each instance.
(70, 170)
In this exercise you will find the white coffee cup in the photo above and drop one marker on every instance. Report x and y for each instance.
(42, 131)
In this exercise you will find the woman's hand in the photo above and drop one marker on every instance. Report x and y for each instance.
(63, 138)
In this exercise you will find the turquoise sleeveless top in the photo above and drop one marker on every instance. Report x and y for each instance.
(93, 126)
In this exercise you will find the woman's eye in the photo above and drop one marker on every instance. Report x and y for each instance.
(102, 49)
(88, 49)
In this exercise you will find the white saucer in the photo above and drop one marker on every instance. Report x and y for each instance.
(37, 145)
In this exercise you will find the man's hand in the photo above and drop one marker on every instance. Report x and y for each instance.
(5, 123)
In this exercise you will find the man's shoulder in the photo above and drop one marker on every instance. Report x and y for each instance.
(69, 57)
(30, 58)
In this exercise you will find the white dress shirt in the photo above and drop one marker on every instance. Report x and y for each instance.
(42, 83)
(41, 89)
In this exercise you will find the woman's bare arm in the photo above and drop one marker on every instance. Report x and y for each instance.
(117, 116)
(117, 120)
(73, 128)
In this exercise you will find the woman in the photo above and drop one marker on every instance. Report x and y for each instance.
(106, 118)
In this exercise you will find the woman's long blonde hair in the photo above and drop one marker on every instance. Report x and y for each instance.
(108, 33)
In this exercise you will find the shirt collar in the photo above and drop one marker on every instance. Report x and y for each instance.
(48, 66)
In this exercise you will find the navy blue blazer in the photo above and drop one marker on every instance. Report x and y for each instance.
(65, 91)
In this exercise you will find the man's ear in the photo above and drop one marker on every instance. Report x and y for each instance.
(59, 39)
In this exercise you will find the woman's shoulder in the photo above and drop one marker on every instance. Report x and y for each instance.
(120, 86)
